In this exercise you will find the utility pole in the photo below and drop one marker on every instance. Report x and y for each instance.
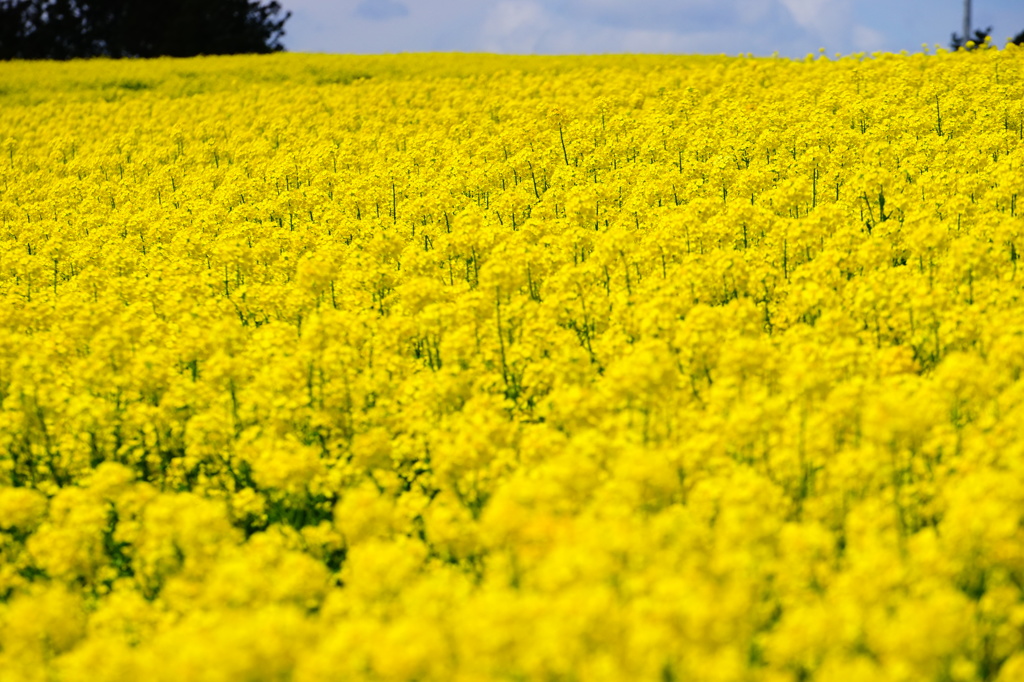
(967, 20)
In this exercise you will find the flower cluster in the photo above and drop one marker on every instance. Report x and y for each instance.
(471, 368)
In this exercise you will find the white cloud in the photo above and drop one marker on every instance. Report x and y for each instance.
(827, 21)
(867, 39)
(791, 27)
(652, 41)
(611, 26)
(653, 15)
(514, 26)
(807, 13)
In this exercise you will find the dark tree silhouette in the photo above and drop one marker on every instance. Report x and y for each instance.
(960, 42)
(1018, 39)
(65, 29)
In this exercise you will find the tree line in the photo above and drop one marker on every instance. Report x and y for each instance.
(68, 29)
(959, 42)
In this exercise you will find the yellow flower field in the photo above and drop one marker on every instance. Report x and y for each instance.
(513, 368)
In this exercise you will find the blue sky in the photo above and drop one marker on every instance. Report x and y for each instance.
(791, 27)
